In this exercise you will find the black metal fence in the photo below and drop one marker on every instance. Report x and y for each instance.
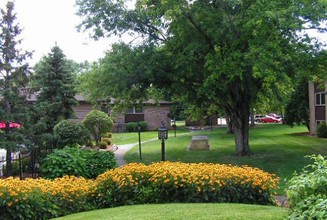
(23, 165)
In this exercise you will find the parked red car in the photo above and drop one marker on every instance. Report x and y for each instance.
(268, 119)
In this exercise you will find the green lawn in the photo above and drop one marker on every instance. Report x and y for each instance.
(179, 211)
(277, 148)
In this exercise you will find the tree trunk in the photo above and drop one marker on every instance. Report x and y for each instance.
(229, 125)
(242, 138)
(238, 110)
(8, 162)
(8, 153)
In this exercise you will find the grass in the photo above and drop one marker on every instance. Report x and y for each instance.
(179, 211)
(277, 149)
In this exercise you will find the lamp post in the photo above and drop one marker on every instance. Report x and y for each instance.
(162, 135)
(139, 131)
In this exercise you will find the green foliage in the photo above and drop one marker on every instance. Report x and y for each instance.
(106, 140)
(221, 53)
(98, 123)
(54, 80)
(31, 206)
(76, 162)
(307, 191)
(71, 133)
(322, 130)
(14, 78)
(99, 162)
(297, 108)
(133, 126)
(103, 144)
(68, 161)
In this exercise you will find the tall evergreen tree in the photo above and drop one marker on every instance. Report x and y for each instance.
(54, 81)
(14, 74)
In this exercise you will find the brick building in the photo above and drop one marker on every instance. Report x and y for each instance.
(317, 103)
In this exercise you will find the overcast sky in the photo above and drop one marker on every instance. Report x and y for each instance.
(46, 22)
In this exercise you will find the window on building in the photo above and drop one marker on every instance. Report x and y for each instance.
(135, 110)
(320, 98)
(105, 109)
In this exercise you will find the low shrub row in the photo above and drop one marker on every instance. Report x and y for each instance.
(133, 126)
(136, 184)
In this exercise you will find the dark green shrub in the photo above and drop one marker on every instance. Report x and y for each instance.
(307, 191)
(67, 161)
(133, 126)
(77, 162)
(107, 135)
(103, 145)
(71, 133)
(98, 123)
(322, 130)
(106, 140)
(99, 162)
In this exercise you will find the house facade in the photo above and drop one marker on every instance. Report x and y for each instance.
(150, 112)
(153, 113)
(317, 103)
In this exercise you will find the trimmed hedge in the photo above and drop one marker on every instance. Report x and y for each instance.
(133, 126)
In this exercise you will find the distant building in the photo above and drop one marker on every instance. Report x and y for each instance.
(317, 103)
(153, 113)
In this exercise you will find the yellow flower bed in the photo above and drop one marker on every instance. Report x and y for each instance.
(135, 183)
(53, 197)
(188, 182)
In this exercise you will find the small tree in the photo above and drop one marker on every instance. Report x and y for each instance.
(297, 108)
(54, 79)
(70, 133)
(98, 123)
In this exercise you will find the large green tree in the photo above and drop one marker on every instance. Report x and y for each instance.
(55, 86)
(14, 74)
(224, 52)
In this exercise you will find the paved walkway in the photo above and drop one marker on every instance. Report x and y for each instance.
(120, 153)
(122, 150)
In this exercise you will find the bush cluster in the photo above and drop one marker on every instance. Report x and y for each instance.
(133, 126)
(307, 191)
(45, 199)
(322, 130)
(181, 182)
(71, 133)
(134, 184)
(77, 162)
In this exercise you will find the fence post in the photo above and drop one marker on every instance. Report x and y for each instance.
(20, 166)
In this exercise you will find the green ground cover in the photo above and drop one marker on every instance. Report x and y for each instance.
(277, 148)
(185, 211)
